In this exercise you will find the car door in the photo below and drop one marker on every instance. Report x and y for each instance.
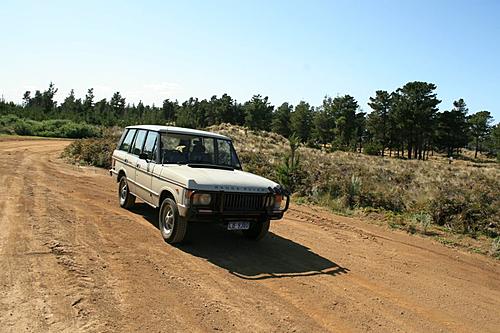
(144, 170)
(121, 154)
(133, 158)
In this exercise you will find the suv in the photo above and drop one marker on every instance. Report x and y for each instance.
(193, 176)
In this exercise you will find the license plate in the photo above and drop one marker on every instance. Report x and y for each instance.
(238, 225)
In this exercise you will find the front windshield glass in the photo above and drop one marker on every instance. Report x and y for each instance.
(194, 149)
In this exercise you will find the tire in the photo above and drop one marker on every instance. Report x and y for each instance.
(125, 198)
(257, 231)
(173, 227)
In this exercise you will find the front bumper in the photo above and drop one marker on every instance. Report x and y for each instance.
(218, 212)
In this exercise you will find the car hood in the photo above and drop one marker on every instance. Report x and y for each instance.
(210, 179)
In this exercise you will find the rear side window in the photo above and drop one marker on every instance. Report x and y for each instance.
(150, 145)
(138, 142)
(127, 141)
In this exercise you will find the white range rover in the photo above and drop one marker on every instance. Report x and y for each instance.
(193, 176)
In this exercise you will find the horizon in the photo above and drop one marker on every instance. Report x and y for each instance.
(288, 51)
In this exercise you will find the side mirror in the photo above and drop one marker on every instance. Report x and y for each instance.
(143, 156)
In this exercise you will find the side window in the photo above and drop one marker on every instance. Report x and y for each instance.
(174, 148)
(224, 155)
(127, 141)
(138, 142)
(150, 145)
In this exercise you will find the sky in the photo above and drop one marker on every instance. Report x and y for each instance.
(287, 50)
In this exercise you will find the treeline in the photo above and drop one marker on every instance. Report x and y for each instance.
(406, 122)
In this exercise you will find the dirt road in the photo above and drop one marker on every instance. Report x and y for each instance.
(72, 260)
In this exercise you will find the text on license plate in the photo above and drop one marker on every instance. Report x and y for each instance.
(238, 225)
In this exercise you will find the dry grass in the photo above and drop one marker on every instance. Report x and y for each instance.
(418, 196)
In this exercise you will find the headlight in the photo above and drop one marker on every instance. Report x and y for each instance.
(277, 201)
(202, 199)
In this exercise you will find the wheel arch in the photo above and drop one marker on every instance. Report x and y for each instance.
(121, 174)
(164, 194)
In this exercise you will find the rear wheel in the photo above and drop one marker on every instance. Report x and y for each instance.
(257, 231)
(126, 198)
(173, 227)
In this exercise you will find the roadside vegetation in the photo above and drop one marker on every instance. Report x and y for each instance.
(93, 151)
(60, 128)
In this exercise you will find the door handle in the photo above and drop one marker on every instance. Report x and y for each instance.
(126, 160)
(138, 165)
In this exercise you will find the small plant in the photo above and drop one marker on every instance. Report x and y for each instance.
(423, 219)
(495, 248)
(289, 172)
(411, 228)
(354, 190)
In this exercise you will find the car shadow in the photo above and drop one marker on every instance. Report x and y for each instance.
(272, 257)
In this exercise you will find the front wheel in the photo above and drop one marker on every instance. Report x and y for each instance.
(257, 230)
(173, 227)
(126, 198)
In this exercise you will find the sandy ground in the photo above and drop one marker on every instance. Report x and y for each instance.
(71, 260)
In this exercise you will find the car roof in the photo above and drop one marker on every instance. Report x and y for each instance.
(179, 130)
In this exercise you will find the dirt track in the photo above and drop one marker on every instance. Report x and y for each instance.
(72, 260)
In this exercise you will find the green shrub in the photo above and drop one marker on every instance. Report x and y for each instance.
(61, 128)
(289, 172)
(372, 149)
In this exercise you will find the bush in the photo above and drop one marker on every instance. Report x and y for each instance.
(60, 128)
(373, 149)
(95, 152)
(464, 210)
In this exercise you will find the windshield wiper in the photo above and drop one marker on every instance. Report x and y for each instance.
(210, 166)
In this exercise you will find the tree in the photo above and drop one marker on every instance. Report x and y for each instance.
(191, 113)
(301, 121)
(169, 110)
(258, 113)
(452, 127)
(223, 110)
(344, 109)
(480, 127)
(360, 123)
(117, 104)
(71, 106)
(415, 108)
(47, 98)
(88, 102)
(324, 122)
(493, 141)
(377, 121)
(27, 99)
(281, 120)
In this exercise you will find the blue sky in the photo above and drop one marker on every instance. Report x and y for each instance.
(287, 50)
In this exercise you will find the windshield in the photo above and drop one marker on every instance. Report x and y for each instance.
(194, 149)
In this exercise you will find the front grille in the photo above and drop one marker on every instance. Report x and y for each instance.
(244, 201)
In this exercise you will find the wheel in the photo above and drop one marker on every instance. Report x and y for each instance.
(126, 198)
(173, 227)
(257, 230)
